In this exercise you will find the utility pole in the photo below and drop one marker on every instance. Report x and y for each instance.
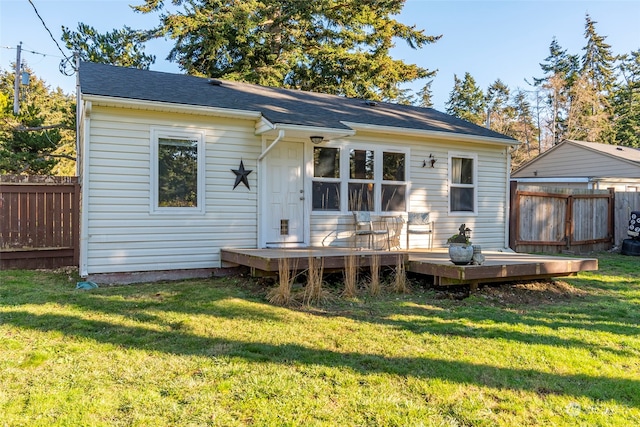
(16, 83)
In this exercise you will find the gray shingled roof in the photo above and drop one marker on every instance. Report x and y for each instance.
(279, 106)
(626, 153)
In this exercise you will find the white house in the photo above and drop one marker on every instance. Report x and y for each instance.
(176, 167)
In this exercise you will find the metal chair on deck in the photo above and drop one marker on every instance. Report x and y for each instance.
(364, 226)
(419, 223)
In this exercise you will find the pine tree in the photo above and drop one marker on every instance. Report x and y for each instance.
(41, 139)
(625, 102)
(466, 100)
(123, 47)
(524, 128)
(592, 94)
(597, 60)
(500, 114)
(338, 47)
(425, 95)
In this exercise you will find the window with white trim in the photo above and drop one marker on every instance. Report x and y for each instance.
(373, 180)
(462, 183)
(177, 171)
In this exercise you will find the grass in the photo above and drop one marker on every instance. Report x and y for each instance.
(215, 352)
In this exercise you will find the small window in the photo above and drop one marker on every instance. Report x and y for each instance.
(361, 180)
(393, 189)
(361, 164)
(326, 162)
(361, 196)
(462, 184)
(176, 171)
(393, 166)
(326, 196)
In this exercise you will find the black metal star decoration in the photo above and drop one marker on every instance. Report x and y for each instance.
(241, 176)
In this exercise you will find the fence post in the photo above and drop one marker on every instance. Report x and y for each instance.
(612, 213)
(568, 230)
(514, 213)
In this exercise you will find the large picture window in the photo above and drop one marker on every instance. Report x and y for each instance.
(462, 183)
(373, 180)
(176, 171)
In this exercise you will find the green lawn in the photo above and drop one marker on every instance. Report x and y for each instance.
(215, 352)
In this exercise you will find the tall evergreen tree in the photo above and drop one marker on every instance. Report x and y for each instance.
(331, 46)
(524, 129)
(425, 95)
(499, 111)
(592, 95)
(41, 138)
(123, 47)
(625, 101)
(466, 100)
(559, 62)
(597, 60)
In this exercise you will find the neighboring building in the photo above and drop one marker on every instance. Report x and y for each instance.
(176, 167)
(580, 164)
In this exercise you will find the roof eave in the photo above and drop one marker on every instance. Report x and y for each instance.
(452, 136)
(304, 131)
(139, 104)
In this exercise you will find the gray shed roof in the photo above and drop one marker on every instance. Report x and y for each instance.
(626, 153)
(278, 106)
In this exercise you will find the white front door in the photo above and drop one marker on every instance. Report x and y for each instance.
(285, 224)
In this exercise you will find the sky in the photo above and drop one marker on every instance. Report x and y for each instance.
(490, 39)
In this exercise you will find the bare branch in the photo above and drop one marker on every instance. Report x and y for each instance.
(20, 128)
(61, 156)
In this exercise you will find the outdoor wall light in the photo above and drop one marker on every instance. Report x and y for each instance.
(432, 161)
(316, 139)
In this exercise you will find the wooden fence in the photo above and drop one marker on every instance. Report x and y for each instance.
(39, 221)
(561, 219)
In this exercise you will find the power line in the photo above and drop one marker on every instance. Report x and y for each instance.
(31, 51)
(47, 28)
(66, 61)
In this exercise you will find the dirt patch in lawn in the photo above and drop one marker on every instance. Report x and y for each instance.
(530, 293)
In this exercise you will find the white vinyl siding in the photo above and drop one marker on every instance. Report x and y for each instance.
(122, 234)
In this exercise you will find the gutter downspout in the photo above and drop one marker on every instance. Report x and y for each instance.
(84, 187)
(273, 144)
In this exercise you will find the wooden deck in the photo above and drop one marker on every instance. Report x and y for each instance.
(265, 261)
(498, 266)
